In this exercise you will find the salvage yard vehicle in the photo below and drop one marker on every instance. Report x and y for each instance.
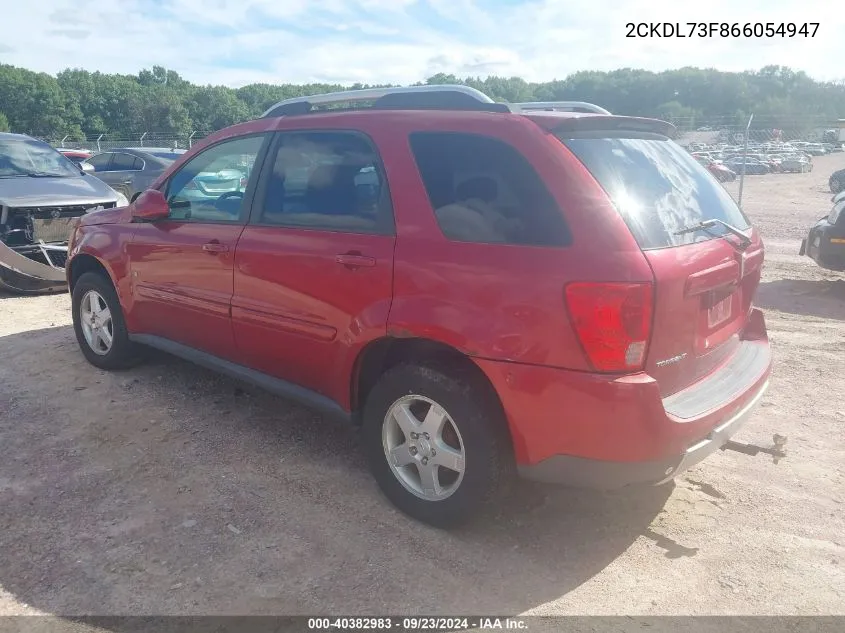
(41, 194)
(825, 244)
(130, 170)
(483, 287)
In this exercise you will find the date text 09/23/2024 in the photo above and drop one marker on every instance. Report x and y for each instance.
(721, 29)
(418, 623)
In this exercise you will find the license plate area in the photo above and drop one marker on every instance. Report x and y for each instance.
(719, 311)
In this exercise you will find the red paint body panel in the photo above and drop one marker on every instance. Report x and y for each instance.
(179, 290)
(553, 411)
(300, 315)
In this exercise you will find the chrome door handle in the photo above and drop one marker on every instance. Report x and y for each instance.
(215, 247)
(355, 260)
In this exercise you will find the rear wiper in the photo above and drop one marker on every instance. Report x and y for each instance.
(706, 225)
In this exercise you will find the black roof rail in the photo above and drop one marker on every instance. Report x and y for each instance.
(429, 97)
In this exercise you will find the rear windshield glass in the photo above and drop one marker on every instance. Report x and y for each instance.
(658, 188)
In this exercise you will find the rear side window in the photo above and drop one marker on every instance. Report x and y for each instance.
(483, 190)
(658, 188)
(125, 162)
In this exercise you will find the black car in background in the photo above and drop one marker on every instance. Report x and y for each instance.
(825, 243)
(837, 181)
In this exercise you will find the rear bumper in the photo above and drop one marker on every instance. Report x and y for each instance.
(597, 431)
(603, 475)
(825, 245)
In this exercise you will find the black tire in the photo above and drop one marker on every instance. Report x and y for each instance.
(123, 353)
(835, 185)
(488, 466)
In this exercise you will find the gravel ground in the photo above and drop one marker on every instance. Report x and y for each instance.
(169, 490)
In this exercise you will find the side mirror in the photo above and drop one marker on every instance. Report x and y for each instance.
(88, 168)
(151, 205)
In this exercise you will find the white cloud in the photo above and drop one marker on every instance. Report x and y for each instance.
(235, 42)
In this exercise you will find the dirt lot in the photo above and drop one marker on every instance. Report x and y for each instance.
(167, 489)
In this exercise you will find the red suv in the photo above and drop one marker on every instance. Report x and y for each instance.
(485, 288)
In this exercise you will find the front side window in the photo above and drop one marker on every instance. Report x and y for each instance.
(211, 186)
(483, 190)
(327, 180)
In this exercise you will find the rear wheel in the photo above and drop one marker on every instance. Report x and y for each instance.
(435, 444)
(99, 325)
(835, 185)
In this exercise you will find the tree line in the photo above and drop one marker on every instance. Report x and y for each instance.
(79, 103)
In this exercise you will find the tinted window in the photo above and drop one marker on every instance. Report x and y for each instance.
(327, 180)
(658, 188)
(201, 193)
(484, 190)
(125, 162)
(100, 162)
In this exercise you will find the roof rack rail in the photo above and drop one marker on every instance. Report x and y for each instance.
(429, 97)
(566, 106)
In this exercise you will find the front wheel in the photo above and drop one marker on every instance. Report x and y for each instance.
(436, 444)
(99, 325)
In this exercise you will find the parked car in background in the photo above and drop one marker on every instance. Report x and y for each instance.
(130, 170)
(76, 156)
(720, 171)
(815, 149)
(795, 163)
(837, 181)
(361, 271)
(752, 166)
(825, 243)
(41, 194)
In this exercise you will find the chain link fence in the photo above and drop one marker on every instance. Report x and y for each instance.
(105, 142)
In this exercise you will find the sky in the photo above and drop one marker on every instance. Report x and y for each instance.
(237, 42)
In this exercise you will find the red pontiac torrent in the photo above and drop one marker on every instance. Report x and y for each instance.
(486, 289)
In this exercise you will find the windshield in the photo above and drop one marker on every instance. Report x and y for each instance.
(29, 157)
(658, 188)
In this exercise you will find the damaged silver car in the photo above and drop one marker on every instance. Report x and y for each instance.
(41, 195)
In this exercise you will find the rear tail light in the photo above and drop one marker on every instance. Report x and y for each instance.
(613, 322)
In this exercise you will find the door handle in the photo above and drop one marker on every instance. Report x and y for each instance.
(215, 247)
(126, 182)
(355, 260)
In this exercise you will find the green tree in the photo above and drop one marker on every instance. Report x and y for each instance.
(4, 123)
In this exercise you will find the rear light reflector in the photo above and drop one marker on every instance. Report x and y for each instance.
(613, 322)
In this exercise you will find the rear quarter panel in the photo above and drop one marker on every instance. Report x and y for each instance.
(497, 301)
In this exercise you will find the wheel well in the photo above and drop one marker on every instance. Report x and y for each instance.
(381, 355)
(82, 264)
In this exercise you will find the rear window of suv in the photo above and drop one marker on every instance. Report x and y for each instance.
(658, 188)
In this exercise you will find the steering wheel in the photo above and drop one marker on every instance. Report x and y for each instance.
(226, 196)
